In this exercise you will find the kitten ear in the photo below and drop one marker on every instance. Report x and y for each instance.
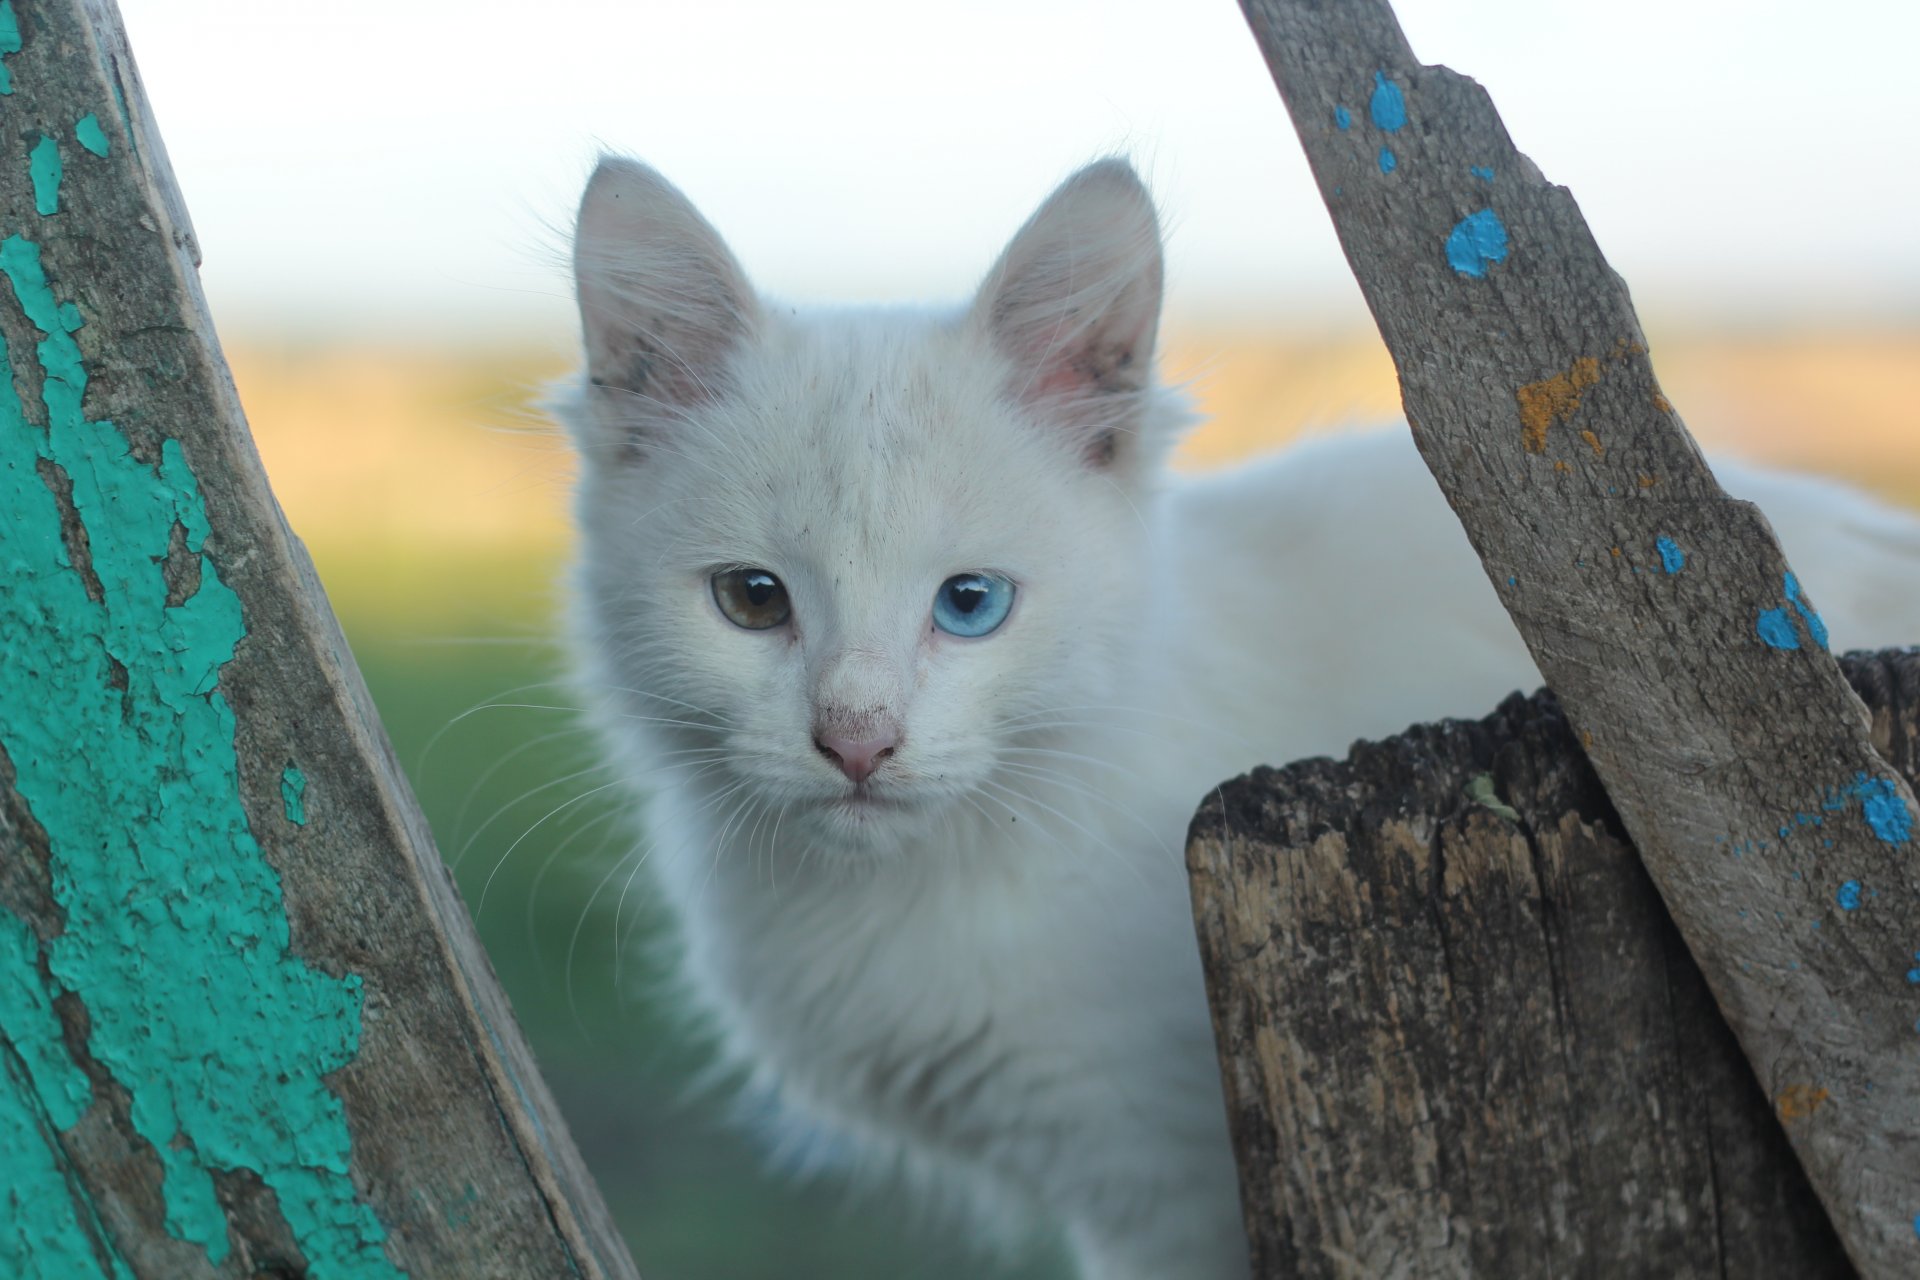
(1074, 303)
(662, 301)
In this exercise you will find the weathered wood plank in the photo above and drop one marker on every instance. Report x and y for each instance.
(245, 1027)
(1460, 1034)
(1661, 611)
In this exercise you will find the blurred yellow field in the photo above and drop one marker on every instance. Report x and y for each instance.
(385, 455)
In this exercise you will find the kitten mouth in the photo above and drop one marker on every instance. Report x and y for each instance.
(861, 801)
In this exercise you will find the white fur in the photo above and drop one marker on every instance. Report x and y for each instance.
(992, 978)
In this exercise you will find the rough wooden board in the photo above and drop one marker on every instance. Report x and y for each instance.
(1460, 1035)
(1527, 382)
(459, 1165)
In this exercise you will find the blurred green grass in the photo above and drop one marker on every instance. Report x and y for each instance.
(508, 783)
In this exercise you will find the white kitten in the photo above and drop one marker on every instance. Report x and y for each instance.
(923, 665)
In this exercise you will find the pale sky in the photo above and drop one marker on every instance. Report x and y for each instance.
(406, 164)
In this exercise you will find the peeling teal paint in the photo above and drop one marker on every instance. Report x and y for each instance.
(55, 1230)
(176, 936)
(88, 133)
(33, 1030)
(9, 43)
(43, 165)
(293, 791)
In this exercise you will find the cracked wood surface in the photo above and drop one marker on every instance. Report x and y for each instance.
(1460, 1035)
(246, 1028)
(1661, 611)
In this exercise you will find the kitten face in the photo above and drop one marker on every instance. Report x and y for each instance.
(863, 461)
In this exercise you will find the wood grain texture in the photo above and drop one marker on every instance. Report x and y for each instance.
(307, 905)
(1460, 1035)
(1710, 707)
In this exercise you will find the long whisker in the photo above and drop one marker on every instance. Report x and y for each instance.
(562, 807)
(609, 818)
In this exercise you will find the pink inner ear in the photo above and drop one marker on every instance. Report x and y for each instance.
(1060, 378)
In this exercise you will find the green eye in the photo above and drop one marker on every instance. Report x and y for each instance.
(751, 598)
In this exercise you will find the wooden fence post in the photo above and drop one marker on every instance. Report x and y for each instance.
(1689, 658)
(1460, 1036)
(246, 1029)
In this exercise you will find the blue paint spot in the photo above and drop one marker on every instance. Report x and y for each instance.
(1482, 172)
(1387, 107)
(1849, 896)
(1783, 833)
(1476, 242)
(1512, 581)
(1672, 558)
(1338, 190)
(1816, 628)
(1774, 627)
(1913, 976)
(1387, 161)
(1885, 811)
(1916, 1224)
(1342, 117)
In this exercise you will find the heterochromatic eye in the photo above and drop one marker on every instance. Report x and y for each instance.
(751, 598)
(972, 604)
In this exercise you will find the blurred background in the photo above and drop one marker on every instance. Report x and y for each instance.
(381, 191)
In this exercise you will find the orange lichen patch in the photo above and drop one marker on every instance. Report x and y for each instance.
(1586, 738)
(1552, 400)
(1661, 403)
(1593, 443)
(1616, 552)
(1559, 465)
(1647, 482)
(1798, 1101)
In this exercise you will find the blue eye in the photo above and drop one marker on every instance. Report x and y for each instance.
(972, 604)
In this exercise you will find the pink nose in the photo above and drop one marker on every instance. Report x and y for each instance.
(858, 757)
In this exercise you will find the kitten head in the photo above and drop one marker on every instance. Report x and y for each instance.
(837, 564)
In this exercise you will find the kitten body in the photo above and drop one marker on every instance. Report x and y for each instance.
(978, 962)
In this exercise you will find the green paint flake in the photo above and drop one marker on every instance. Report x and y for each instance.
(88, 133)
(9, 42)
(176, 933)
(43, 163)
(293, 789)
(1480, 790)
